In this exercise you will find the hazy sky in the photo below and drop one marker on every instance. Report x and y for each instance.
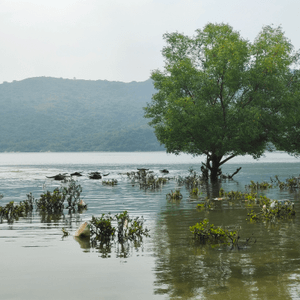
(119, 40)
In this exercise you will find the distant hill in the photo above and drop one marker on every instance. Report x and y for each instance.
(52, 114)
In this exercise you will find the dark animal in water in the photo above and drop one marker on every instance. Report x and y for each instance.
(95, 175)
(76, 174)
(105, 174)
(165, 171)
(58, 176)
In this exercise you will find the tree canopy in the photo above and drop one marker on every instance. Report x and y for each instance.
(222, 96)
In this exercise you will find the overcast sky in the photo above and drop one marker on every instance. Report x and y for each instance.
(119, 40)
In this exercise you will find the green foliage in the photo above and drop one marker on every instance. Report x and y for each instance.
(71, 194)
(291, 183)
(175, 196)
(193, 180)
(207, 205)
(222, 96)
(103, 229)
(85, 115)
(273, 210)
(12, 211)
(259, 186)
(52, 203)
(236, 195)
(204, 232)
(195, 192)
(111, 182)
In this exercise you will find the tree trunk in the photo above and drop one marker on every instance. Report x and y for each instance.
(213, 164)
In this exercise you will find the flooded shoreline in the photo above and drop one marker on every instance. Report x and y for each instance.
(168, 265)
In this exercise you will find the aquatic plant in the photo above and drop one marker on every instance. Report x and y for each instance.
(152, 182)
(13, 211)
(110, 182)
(193, 180)
(273, 210)
(195, 192)
(53, 202)
(176, 195)
(71, 194)
(236, 195)
(259, 186)
(203, 206)
(204, 232)
(65, 232)
(291, 183)
(103, 230)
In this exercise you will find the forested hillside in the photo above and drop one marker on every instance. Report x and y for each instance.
(52, 114)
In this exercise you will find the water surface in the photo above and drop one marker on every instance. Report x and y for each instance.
(37, 263)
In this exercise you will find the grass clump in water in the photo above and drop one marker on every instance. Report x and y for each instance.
(176, 195)
(111, 182)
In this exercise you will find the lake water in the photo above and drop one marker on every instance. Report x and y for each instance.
(37, 263)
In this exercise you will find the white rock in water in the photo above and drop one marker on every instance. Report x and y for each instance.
(83, 230)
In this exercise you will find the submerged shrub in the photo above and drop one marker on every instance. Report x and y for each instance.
(71, 194)
(53, 203)
(273, 210)
(291, 183)
(176, 195)
(13, 211)
(110, 182)
(204, 232)
(193, 180)
(103, 229)
(259, 186)
(195, 192)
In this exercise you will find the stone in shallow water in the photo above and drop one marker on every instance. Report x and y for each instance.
(83, 230)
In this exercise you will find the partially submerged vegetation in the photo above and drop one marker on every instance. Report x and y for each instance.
(119, 228)
(206, 233)
(174, 196)
(53, 203)
(147, 179)
(13, 211)
(273, 210)
(111, 182)
(50, 205)
(103, 231)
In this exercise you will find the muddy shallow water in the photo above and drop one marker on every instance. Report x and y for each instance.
(37, 263)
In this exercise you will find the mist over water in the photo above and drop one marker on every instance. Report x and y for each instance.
(168, 264)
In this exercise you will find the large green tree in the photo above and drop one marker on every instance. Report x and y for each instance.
(222, 96)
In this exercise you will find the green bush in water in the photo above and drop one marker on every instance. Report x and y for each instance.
(204, 232)
(273, 210)
(111, 182)
(103, 231)
(176, 195)
(72, 195)
(12, 211)
(52, 203)
(259, 186)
